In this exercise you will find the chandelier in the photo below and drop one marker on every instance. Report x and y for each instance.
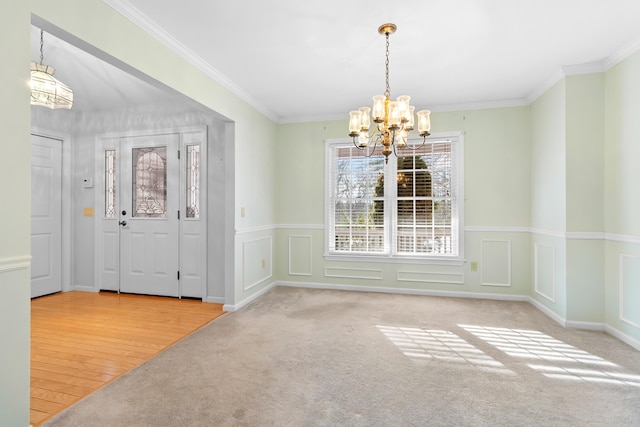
(393, 119)
(46, 90)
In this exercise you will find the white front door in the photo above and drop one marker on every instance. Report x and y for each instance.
(148, 214)
(46, 215)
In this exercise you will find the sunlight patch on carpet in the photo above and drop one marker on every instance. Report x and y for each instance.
(442, 345)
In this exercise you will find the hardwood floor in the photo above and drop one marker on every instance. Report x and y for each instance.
(81, 341)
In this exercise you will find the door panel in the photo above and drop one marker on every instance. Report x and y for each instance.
(46, 215)
(149, 196)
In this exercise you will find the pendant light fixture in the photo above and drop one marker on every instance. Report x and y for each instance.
(393, 119)
(46, 90)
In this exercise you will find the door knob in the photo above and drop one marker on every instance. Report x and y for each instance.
(123, 223)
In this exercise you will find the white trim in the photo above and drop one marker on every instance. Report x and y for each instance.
(587, 326)
(22, 262)
(388, 259)
(585, 235)
(622, 337)
(255, 229)
(86, 288)
(494, 229)
(622, 238)
(215, 300)
(430, 273)
(546, 310)
(345, 276)
(588, 68)
(621, 289)
(551, 298)
(621, 54)
(249, 299)
(300, 226)
(150, 27)
(549, 233)
(403, 291)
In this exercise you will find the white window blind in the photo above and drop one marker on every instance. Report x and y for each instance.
(408, 207)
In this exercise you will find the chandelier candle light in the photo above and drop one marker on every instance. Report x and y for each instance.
(46, 90)
(394, 119)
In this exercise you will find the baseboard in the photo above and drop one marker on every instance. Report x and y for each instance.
(403, 291)
(550, 313)
(623, 337)
(249, 299)
(215, 300)
(589, 326)
(86, 288)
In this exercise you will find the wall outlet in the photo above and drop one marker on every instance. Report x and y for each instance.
(473, 265)
(264, 263)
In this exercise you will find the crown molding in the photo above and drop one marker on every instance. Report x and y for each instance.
(141, 20)
(590, 68)
(621, 54)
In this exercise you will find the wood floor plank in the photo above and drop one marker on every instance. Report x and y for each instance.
(81, 341)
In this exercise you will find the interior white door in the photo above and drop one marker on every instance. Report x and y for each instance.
(149, 226)
(46, 215)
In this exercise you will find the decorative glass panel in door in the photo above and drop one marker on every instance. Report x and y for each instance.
(149, 180)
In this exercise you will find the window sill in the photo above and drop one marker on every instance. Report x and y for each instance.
(397, 259)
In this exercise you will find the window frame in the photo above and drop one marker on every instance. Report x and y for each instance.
(390, 213)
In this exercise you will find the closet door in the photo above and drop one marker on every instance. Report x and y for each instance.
(46, 215)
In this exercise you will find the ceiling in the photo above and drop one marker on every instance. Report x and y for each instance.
(299, 61)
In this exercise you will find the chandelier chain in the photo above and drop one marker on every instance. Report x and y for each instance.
(41, 46)
(387, 92)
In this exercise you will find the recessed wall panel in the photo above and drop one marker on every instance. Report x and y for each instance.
(495, 267)
(545, 271)
(300, 255)
(256, 262)
(630, 289)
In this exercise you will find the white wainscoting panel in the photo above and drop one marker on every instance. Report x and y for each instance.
(455, 278)
(256, 262)
(353, 273)
(630, 289)
(300, 261)
(495, 262)
(545, 271)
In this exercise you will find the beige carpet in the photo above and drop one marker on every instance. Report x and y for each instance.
(300, 357)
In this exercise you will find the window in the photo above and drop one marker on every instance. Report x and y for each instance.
(410, 207)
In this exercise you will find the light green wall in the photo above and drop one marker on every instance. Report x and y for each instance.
(496, 166)
(585, 196)
(622, 194)
(496, 170)
(584, 152)
(548, 160)
(15, 149)
(622, 174)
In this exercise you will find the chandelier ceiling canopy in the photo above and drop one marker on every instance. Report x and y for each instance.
(393, 120)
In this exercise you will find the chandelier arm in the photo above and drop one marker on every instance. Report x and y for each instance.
(424, 140)
(375, 144)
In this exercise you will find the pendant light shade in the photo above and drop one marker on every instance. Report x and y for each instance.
(46, 90)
